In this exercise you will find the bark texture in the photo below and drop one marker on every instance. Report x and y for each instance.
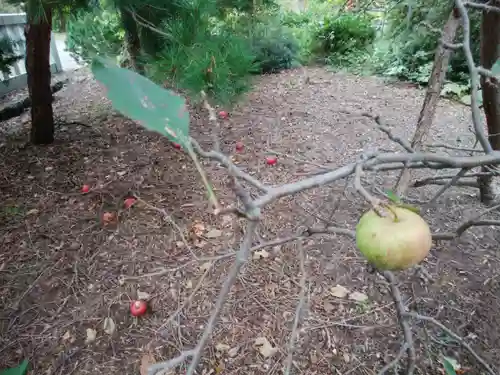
(434, 87)
(490, 53)
(38, 32)
(132, 40)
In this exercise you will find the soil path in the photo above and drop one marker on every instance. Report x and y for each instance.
(63, 271)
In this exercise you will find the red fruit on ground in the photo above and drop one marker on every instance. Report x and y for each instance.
(271, 160)
(177, 146)
(85, 188)
(108, 217)
(138, 308)
(239, 146)
(223, 114)
(129, 202)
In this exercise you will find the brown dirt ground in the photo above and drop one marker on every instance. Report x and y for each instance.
(62, 271)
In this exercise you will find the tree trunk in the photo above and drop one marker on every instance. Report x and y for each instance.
(132, 40)
(63, 21)
(37, 32)
(434, 87)
(490, 53)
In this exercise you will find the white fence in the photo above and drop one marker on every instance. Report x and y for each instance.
(12, 27)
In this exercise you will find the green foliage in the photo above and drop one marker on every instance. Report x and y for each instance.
(408, 47)
(200, 55)
(95, 33)
(246, 6)
(8, 55)
(345, 34)
(274, 46)
(138, 98)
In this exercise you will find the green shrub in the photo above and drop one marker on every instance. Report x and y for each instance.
(409, 46)
(201, 54)
(95, 33)
(345, 34)
(275, 47)
(8, 54)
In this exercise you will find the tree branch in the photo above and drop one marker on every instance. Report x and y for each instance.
(459, 339)
(474, 78)
(298, 310)
(403, 322)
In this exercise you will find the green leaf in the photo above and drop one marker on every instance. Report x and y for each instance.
(393, 196)
(22, 369)
(140, 99)
(449, 365)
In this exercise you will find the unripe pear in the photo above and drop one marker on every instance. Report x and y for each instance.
(397, 241)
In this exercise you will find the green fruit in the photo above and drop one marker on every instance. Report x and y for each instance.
(393, 243)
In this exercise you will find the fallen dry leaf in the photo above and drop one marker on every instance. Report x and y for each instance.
(109, 326)
(264, 347)
(214, 233)
(262, 254)
(91, 335)
(233, 352)
(206, 266)
(222, 348)
(33, 211)
(328, 307)
(143, 295)
(347, 359)
(358, 296)
(198, 229)
(108, 217)
(146, 361)
(68, 337)
(339, 291)
(189, 284)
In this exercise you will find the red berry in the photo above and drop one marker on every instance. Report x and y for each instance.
(85, 188)
(177, 146)
(239, 146)
(138, 308)
(129, 202)
(271, 160)
(223, 114)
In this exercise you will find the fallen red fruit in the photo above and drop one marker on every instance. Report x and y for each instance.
(138, 308)
(85, 188)
(108, 217)
(239, 146)
(271, 160)
(129, 202)
(177, 146)
(223, 114)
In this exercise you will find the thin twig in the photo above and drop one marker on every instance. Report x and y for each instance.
(459, 339)
(172, 222)
(474, 221)
(450, 183)
(298, 310)
(212, 117)
(167, 365)
(188, 300)
(395, 361)
(240, 260)
(474, 78)
(403, 322)
(451, 147)
(480, 6)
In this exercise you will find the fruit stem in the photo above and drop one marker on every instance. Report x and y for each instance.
(396, 218)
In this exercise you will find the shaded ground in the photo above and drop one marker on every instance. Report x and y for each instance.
(63, 271)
